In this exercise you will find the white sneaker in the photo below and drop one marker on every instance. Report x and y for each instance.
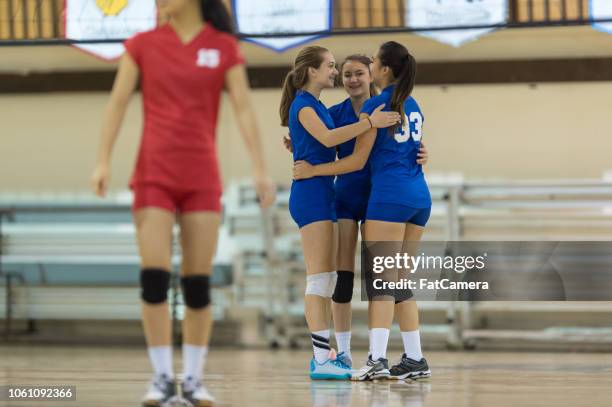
(195, 392)
(161, 389)
(372, 370)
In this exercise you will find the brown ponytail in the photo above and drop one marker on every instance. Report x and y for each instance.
(308, 57)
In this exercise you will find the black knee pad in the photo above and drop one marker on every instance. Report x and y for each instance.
(196, 291)
(154, 285)
(343, 293)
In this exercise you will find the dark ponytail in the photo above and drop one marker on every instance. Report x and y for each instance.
(404, 68)
(308, 57)
(216, 14)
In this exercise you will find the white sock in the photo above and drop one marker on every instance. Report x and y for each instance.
(194, 358)
(343, 340)
(320, 345)
(161, 360)
(369, 343)
(380, 337)
(412, 344)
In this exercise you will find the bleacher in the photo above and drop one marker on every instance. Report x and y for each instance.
(67, 260)
(76, 259)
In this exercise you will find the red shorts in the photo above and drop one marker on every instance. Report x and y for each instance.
(175, 200)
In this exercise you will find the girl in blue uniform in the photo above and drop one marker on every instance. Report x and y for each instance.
(311, 202)
(352, 192)
(351, 198)
(399, 204)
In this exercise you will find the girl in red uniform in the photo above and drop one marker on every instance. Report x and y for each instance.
(183, 66)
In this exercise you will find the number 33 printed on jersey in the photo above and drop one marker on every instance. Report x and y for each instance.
(417, 120)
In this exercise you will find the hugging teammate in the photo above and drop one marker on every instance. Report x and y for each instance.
(352, 191)
(398, 205)
(312, 204)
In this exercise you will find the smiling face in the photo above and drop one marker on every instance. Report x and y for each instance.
(325, 75)
(356, 78)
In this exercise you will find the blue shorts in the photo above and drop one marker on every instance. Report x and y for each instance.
(352, 210)
(390, 212)
(312, 200)
(352, 192)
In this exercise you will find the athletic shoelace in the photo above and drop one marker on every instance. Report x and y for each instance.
(410, 363)
(340, 364)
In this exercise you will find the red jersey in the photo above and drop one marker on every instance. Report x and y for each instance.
(181, 89)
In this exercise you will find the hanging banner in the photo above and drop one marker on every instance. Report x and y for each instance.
(601, 9)
(455, 13)
(107, 19)
(282, 16)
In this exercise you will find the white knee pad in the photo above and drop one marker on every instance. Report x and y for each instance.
(321, 284)
(333, 278)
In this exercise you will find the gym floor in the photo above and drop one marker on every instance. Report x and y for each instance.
(114, 376)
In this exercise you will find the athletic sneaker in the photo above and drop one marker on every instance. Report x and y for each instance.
(410, 369)
(160, 391)
(194, 391)
(372, 370)
(332, 369)
(346, 359)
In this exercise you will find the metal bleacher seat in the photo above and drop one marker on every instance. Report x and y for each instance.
(79, 261)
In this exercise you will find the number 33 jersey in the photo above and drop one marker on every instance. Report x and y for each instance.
(396, 176)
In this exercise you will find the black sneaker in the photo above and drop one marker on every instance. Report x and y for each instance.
(372, 370)
(410, 369)
(160, 391)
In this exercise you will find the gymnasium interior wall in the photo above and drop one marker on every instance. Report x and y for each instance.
(518, 131)
(483, 131)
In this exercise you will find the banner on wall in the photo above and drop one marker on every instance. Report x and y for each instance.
(601, 9)
(282, 16)
(455, 13)
(107, 19)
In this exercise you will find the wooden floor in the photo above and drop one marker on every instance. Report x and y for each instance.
(118, 376)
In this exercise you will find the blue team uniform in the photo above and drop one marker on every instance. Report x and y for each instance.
(311, 200)
(352, 189)
(399, 191)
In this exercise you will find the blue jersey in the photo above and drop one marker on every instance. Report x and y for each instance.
(396, 176)
(311, 199)
(343, 114)
(305, 146)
